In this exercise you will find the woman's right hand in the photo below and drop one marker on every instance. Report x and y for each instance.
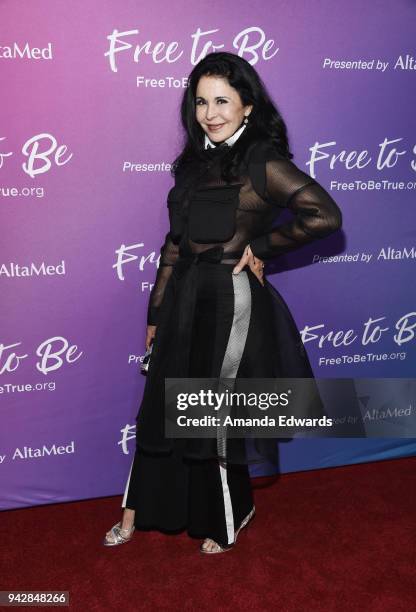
(150, 334)
(256, 265)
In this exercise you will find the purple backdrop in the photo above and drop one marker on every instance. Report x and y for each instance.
(90, 122)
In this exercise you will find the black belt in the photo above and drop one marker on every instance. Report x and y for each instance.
(214, 254)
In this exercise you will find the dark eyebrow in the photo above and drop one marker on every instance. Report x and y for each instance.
(202, 97)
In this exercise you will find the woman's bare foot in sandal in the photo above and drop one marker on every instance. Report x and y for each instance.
(123, 531)
(210, 546)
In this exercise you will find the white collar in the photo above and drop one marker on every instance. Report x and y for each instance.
(230, 141)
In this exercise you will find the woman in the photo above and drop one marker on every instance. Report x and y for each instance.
(211, 313)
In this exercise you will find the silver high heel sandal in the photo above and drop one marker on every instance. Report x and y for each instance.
(220, 549)
(119, 535)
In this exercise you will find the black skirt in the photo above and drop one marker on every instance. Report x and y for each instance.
(214, 324)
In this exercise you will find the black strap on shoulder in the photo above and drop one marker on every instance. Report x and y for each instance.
(257, 156)
(257, 168)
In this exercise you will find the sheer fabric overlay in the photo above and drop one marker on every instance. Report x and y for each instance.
(204, 211)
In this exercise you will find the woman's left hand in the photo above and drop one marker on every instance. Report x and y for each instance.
(256, 264)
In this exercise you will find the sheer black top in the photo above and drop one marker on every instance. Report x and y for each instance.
(204, 210)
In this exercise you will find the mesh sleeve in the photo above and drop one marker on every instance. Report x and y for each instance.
(316, 215)
(169, 253)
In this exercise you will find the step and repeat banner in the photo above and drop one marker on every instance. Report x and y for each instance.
(90, 95)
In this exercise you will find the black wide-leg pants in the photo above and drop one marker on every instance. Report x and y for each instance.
(209, 498)
(172, 494)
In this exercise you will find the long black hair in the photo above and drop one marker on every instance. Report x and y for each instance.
(264, 122)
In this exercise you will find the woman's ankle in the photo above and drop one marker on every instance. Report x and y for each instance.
(127, 520)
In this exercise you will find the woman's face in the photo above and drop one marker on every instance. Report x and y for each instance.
(218, 107)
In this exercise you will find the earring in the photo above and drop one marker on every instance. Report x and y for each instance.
(245, 119)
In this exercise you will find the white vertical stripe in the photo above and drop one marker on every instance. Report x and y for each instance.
(229, 368)
(126, 490)
(228, 508)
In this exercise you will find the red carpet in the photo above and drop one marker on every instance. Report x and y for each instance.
(333, 540)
